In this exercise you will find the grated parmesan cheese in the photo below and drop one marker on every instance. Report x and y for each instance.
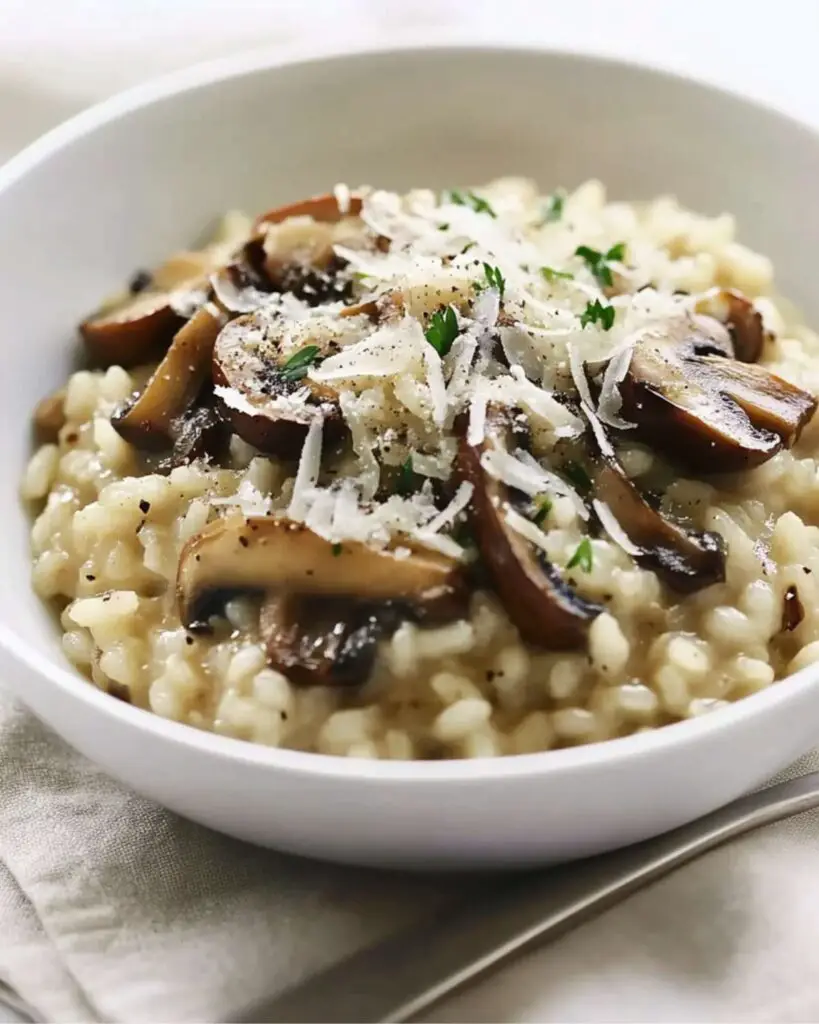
(610, 524)
(308, 471)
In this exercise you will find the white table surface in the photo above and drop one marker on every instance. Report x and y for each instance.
(57, 56)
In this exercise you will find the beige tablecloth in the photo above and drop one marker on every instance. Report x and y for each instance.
(112, 909)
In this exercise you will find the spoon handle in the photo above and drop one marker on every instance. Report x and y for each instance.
(403, 976)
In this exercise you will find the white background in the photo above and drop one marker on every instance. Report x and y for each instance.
(57, 56)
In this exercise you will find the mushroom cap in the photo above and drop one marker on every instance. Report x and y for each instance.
(707, 410)
(323, 208)
(543, 606)
(272, 553)
(686, 560)
(266, 405)
(131, 333)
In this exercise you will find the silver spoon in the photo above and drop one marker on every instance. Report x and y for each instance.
(405, 975)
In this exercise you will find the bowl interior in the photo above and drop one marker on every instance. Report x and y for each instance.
(124, 185)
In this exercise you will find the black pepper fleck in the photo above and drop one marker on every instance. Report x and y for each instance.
(144, 506)
(244, 541)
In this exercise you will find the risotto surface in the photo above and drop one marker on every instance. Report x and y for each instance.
(439, 384)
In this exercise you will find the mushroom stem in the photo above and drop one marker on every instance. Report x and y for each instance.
(316, 642)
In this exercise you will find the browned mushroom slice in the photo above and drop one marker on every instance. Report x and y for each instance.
(49, 417)
(324, 209)
(708, 411)
(543, 606)
(276, 554)
(686, 560)
(318, 642)
(741, 318)
(770, 402)
(269, 401)
(131, 333)
(147, 420)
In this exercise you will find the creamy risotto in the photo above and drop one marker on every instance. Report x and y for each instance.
(433, 475)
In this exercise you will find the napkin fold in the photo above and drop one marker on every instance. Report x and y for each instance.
(113, 909)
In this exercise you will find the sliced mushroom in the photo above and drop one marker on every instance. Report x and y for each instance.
(320, 642)
(742, 319)
(147, 420)
(324, 209)
(131, 333)
(268, 403)
(139, 326)
(706, 410)
(49, 417)
(686, 560)
(276, 554)
(543, 606)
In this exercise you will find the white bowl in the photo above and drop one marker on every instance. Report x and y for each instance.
(122, 184)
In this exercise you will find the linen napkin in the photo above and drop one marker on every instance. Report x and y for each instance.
(112, 909)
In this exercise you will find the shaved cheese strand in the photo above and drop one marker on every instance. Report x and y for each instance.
(614, 529)
(308, 471)
(526, 528)
(555, 483)
(436, 384)
(579, 377)
(462, 498)
(610, 403)
(476, 429)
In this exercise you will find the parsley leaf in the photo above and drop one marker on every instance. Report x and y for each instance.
(442, 330)
(336, 550)
(596, 312)
(550, 274)
(598, 262)
(543, 506)
(299, 363)
(495, 278)
(405, 484)
(578, 476)
(582, 557)
(554, 207)
(478, 204)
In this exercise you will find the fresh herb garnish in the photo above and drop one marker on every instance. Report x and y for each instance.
(578, 476)
(598, 262)
(495, 278)
(468, 246)
(442, 330)
(299, 363)
(550, 274)
(443, 227)
(554, 207)
(582, 558)
(405, 484)
(543, 506)
(596, 312)
(477, 203)
(336, 550)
